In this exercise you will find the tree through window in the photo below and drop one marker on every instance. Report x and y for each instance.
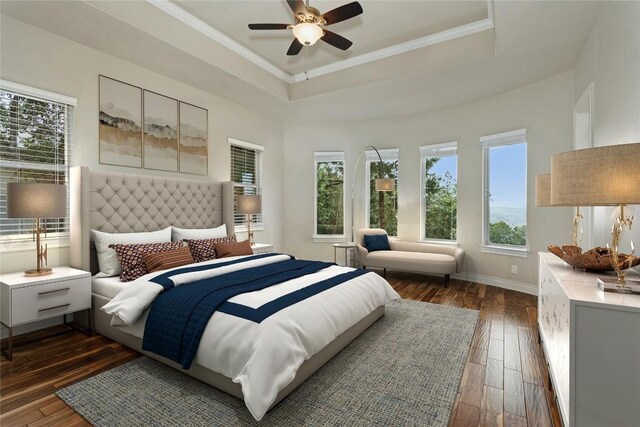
(440, 171)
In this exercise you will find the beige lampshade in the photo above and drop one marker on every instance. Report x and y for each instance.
(543, 190)
(599, 176)
(33, 200)
(248, 205)
(385, 184)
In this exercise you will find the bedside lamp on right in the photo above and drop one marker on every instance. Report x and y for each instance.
(602, 176)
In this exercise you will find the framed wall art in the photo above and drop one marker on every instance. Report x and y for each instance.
(160, 132)
(193, 150)
(120, 118)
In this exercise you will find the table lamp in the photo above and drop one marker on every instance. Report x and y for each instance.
(34, 200)
(249, 205)
(601, 176)
(543, 200)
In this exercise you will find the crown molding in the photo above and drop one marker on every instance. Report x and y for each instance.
(197, 24)
(185, 17)
(443, 36)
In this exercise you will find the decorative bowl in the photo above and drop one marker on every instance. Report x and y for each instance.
(596, 259)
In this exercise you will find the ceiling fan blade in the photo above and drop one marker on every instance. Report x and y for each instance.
(295, 48)
(297, 6)
(342, 13)
(335, 40)
(268, 26)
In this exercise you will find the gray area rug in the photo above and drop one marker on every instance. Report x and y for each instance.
(404, 370)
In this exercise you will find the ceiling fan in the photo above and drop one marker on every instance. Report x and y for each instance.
(310, 25)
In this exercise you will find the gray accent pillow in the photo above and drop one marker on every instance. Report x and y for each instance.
(107, 258)
(178, 234)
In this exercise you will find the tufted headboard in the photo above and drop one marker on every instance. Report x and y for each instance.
(124, 203)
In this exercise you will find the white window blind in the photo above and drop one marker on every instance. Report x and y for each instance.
(246, 174)
(36, 145)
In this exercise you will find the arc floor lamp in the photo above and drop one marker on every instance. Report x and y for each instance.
(382, 184)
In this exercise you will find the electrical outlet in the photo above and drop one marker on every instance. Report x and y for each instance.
(514, 269)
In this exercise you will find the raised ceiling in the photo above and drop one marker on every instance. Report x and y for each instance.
(407, 57)
(383, 24)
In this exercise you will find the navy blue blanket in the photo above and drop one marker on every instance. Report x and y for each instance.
(179, 315)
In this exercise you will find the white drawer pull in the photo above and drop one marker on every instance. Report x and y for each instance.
(53, 292)
(53, 308)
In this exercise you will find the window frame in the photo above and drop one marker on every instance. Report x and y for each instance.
(323, 157)
(488, 142)
(259, 150)
(387, 155)
(24, 241)
(444, 149)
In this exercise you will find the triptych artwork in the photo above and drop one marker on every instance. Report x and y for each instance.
(141, 128)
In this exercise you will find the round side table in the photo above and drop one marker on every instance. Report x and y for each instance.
(346, 246)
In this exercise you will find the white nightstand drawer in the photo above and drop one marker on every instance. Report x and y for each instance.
(261, 248)
(49, 299)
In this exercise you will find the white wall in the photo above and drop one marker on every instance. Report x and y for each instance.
(544, 108)
(43, 60)
(611, 61)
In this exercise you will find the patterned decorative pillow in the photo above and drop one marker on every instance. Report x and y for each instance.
(225, 250)
(130, 257)
(205, 249)
(156, 261)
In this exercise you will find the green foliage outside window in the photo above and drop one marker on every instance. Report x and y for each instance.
(440, 203)
(330, 199)
(31, 131)
(385, 202)
(502, 233)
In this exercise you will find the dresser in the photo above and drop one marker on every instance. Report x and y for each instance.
(591, 343)
(29, 299)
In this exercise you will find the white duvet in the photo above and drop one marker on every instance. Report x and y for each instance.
(263, 357)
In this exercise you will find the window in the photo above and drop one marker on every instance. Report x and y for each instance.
(246, 173)
(439, 191)
(36, 145)
(382, 206)
(505, 193)
(329, 192)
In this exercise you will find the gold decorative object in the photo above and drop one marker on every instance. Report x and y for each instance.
(596, 259)
(33, 200)
(602, 176)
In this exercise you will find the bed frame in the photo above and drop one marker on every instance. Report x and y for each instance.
(123, 203)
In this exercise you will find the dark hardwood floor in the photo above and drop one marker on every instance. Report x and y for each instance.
(504, 382)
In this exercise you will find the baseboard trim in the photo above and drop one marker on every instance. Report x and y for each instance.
(496, 281)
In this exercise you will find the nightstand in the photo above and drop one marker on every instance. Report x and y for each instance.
(29, 299)
(261, 248)
(347, 246)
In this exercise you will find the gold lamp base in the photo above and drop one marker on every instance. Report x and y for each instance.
(38, 272)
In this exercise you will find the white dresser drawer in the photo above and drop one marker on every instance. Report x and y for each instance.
(49, 299)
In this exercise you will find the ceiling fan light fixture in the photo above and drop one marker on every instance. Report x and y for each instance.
(307, 33)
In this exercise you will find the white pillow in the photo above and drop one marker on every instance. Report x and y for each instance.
(107, 258)
(178, 234)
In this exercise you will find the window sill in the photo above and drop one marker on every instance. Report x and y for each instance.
(515, 251)
(440, 242)
(28, 245)
(329, 238)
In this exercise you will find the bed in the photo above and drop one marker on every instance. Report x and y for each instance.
(124, 203)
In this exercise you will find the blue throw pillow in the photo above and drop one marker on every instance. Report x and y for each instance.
(376, 242)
